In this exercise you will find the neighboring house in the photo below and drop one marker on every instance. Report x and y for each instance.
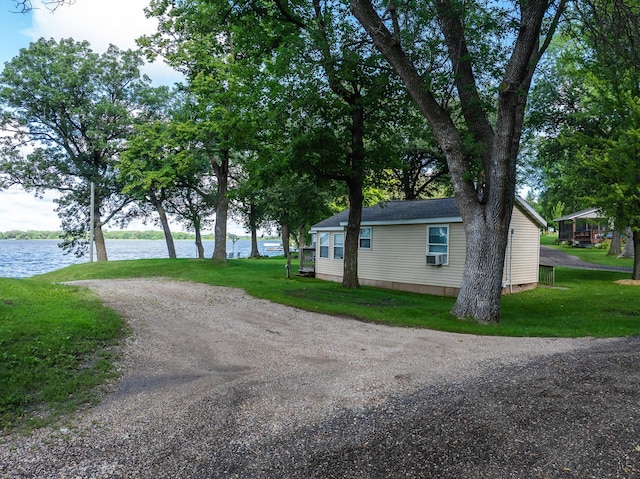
(585, 227)
(420, 246)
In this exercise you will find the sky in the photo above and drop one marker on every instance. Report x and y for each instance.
(101, 23)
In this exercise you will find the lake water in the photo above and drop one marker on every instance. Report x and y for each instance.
(24, 258)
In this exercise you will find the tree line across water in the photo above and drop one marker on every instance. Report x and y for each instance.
(115, 235)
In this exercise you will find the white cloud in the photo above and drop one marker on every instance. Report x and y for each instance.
(101, 23)
(20, 210)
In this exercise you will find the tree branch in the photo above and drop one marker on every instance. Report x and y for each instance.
(25, 6)
(288, 16)
(464, 78)
(445, 131)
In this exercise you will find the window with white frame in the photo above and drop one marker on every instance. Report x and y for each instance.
(324, 245)
(338, 245)
(313, 240)
(364, 240)
(438, 241)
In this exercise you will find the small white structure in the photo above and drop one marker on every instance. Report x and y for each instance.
(420, 246)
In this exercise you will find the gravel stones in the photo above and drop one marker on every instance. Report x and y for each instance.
(220, 385)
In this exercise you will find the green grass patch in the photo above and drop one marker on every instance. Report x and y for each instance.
(548, 239)
(56, 341)
(56, 345)
(580, 305)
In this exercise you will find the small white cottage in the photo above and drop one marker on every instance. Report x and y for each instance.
(420, 246)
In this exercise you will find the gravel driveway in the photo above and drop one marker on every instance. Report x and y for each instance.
(554, 257)
(217, 384)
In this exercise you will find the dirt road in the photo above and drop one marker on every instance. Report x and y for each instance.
(220, 385)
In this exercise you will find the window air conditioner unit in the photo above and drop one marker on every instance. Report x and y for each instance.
(435, 259)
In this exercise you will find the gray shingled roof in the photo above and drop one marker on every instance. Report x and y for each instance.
(399, 211)
(590, 213)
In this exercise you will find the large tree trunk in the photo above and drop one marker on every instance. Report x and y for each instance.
(351, 240)
(486, 200)
(98, 235)
(164, 222)
(221, 170)
(301, 233)
(255, 253)
(487, 234)
(199, 245)
(356, 199)
(285, 233)
(616, 244)
(628, 246)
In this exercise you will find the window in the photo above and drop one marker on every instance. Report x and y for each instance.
(324, 245)
(338, 246)
(364, 240)
(313, 240)
(438, 241)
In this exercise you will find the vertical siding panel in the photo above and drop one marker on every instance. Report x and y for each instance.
(526, 250)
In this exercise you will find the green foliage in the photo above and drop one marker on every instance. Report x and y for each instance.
(31, 235)
(581, 306)
(585, 113)
(74, 108)
(57, 343)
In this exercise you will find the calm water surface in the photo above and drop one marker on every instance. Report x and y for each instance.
(24, 258)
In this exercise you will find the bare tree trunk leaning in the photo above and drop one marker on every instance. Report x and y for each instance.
(164, 221)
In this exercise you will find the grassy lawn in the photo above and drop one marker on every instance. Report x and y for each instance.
(584, 303)
(56, 341)
(55, 348)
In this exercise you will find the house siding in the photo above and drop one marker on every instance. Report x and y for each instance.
(329, 266)
(526, 252)
(397, 258)
(398, 255)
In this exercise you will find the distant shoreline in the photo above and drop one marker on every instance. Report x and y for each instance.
(114, 235)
